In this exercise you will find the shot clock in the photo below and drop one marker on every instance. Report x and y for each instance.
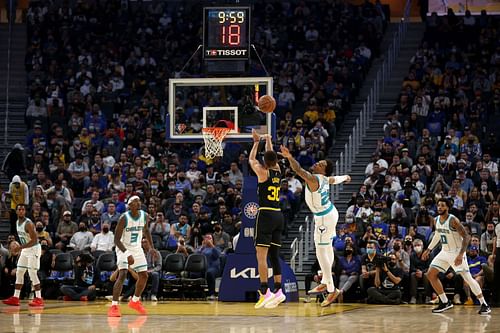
(226, 32)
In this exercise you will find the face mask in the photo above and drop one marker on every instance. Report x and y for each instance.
(484, 188)
(182, 179)
(348, 252)
(386, 190)
(217, 229)
(82, 229)
(95, 219)
(473, 256)
(396, 247)
(392, 264)
(418, 249)
(370, 251)
(491, 231)
(171, 187)
(348, 220)
(377, 219)
(39, 229)
(408, 242)
(105, 230)
(381, 242)
(154, 187)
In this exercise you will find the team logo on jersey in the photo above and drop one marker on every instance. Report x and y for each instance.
(251, 210)
(322, 229)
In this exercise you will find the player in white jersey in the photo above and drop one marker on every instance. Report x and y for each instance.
(325, 217)
(128, 239)
(29, 260)
(454, 240)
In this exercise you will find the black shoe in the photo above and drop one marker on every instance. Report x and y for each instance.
(485, 310)
(442, 307)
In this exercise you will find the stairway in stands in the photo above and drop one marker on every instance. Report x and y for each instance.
(16, 129)
(374, 132)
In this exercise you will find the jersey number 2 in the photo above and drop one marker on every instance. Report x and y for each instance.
(275, 193)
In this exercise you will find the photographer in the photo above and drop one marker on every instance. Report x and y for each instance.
(387, 279)
(84, 288)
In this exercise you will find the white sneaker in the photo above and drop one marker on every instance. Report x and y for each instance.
(279, 297)
(413, 300)
(154, 298)
(211, 298)
(456, 299)
(110, 298)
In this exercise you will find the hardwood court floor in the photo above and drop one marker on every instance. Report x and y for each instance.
(193, 317)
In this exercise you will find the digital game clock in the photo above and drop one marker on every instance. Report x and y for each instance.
(226, 32)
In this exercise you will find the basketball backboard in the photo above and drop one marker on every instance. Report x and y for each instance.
(195, 103)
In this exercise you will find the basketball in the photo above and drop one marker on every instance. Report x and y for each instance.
(267, 103)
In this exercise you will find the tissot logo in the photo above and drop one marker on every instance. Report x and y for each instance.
(226, 53)
(249, 273)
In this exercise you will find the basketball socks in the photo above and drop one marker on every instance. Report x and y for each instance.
(17, 293)
(277, 286)
(38, 293)
(136, 299)
(114, 303)
(326, 257)
(263, 288)
(482, 300)
(443, 298)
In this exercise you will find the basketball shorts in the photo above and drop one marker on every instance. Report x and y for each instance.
(445, 259)
(30, 258)
(268, 227)
(325, 227)
(140, 264)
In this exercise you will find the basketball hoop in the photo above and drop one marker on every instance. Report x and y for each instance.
(213, 137)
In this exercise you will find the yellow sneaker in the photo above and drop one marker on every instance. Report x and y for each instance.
(469, 301)
(330, 298)
(264, 299)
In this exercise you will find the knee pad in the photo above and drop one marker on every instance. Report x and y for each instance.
(33, 276)
(20, 275)
(274, 257)
(473, 284)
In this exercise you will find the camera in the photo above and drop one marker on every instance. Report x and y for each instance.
(381, 260)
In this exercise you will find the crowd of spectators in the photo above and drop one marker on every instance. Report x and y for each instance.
(97, 81)
(440, 141)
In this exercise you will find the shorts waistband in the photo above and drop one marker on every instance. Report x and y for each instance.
(326, 211)
(270, 208)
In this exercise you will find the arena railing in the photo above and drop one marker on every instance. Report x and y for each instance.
(348, 156)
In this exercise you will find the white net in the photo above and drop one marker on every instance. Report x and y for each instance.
(213, 137)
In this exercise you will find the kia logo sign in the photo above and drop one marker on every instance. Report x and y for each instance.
(248, 273)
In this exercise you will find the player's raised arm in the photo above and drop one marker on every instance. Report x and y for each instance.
(269, 142)
(252, 158)
(310, 180)
(339, 179)
(455, 223)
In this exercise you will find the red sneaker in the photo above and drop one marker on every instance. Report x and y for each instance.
(114, 311)
(67, 299)
(36, 302)
(84, 299)
(137, 306)
(13, 300)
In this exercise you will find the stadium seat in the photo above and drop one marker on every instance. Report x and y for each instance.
(173, 266)
(105, 266)
(63, 268)
(195, 274)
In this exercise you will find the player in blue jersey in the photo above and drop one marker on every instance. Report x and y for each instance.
(325, 217)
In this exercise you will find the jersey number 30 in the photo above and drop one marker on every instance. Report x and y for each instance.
(275, 193)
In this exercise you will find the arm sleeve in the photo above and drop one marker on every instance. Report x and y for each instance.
(339, 179)
(434, 241)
